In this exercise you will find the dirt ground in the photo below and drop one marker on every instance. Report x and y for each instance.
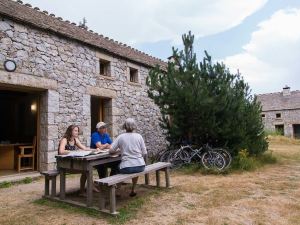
(269, 195)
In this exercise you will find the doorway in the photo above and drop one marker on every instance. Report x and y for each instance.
(101, 110)
(296, 129)
(279, 129)
(19, 119)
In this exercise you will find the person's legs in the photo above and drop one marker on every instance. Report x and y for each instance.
(83, 179)
(135, 169)
(134, 182)
(101, 169)
(114, 168)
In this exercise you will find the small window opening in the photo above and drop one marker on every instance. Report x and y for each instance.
(133, 75)
(104, 67)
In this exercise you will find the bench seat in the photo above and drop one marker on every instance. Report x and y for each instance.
(112, 181)
(50, 176)
(119, 178)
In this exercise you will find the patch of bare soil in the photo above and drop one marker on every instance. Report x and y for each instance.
(270, 195)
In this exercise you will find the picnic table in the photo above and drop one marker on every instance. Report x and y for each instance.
(85, 165)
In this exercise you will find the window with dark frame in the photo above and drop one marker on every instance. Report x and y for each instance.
(278, 115)
(104, 67)
(133, 75)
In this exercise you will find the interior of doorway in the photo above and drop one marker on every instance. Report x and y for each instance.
(296, 129)
(19, 119)
(101, 110)
(279, 129)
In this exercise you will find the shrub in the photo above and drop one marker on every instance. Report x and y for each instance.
(244, 161)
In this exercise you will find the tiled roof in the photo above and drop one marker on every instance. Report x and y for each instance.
(276, 101)
(24, 13)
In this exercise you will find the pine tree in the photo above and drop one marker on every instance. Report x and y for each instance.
(83, 23)
(204, 103)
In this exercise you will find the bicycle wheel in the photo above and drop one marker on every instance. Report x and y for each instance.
(225, 154)
(185, 154)
(178, 158)
(165, 156)
(213, 160)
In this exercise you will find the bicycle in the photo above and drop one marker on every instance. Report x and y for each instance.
(209, 157)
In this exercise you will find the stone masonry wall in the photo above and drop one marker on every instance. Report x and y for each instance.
(74, 67)
(288, 118)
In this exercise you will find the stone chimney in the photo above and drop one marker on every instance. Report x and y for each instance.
(286, 91)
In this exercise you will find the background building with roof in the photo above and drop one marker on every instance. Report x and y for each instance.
(281, 112)
(66, 74)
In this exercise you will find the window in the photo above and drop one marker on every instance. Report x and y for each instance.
(133, 75)
(278, 115)
(263, 115)
(104, 67)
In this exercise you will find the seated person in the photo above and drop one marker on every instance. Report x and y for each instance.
(132, 148)
(69, 143)
(100, 139)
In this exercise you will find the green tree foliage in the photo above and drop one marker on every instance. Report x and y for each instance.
(204, 103)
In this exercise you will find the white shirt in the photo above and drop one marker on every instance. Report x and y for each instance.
(132, 147)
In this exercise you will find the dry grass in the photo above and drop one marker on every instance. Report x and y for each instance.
(269, 195)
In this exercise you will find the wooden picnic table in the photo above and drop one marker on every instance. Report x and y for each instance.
(81, 165)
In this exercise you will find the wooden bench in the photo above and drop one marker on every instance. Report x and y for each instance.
(50, 175)
(112, 181)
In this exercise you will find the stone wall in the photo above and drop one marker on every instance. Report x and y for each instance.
(288, 118)
(73, 70)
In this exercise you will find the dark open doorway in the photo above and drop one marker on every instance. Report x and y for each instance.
(19, 124)
(101, 110)
(279, 129)
(296, 128)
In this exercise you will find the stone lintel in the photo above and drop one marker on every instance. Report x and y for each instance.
(26, 80)
(101, 92)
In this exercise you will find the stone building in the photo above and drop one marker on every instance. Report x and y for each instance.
(281, 112)
(67, 75)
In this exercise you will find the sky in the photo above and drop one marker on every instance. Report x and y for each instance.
(259, 38)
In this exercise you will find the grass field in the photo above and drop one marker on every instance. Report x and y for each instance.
(268, 195)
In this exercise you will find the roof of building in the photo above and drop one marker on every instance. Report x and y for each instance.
(24, 13)
(276, 101)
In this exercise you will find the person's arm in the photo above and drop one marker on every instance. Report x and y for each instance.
(143, 147)
(62, 145)
(114, 147)
(81, 146)
(96, 141)
(108, 142)
(107, 145)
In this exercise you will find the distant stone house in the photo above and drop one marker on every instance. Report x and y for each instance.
(281, 112)
(67, 75)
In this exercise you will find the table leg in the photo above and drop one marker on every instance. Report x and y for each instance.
(167, 174)
(112, 199)
(62, 194)
(46, 185)
(147, 180)
(53, 186)
(89, 187)
(157, 178)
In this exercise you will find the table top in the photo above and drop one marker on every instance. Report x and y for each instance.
(88, 157)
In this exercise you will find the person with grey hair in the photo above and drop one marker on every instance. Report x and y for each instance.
(132, 147)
